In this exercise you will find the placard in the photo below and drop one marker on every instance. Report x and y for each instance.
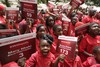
(67, 46)
(16, 47)
(12, 14)
(76, 3)
(7, 31)
(29, 9)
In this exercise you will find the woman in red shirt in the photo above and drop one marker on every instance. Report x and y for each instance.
(40, 30)
(43, 57)
(89, 41)
(50, 21)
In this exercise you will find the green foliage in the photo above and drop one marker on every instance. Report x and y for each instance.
(6, 2)
(93, 2)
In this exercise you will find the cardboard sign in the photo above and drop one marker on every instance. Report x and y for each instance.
(14, 48)
(55, 11)
(81, 29)
(67, 46)
(31, 1)
(7, 31)
(76, 3)
(12, 14)
(29, 9)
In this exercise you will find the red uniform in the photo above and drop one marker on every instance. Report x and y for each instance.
(38, 60)
(73, 63)
(58, 22)
(90, 62)
(37, 21)
(79, 24)
(11, 64)
(71, 30)
(87, 19)
(87, 44)
(54, 46)
(97, 21)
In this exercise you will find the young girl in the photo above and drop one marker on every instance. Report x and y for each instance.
(89, 42)
(57, 30)
(49, 24)
(71, 27)
(42, 58)
(95, 60)
(40, 30)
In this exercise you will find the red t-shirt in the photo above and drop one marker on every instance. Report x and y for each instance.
(87, 19)
(73, 63)
(87, 44)
(89, 62)
(58, 22)
(71, 30)
(79, 24)
(97, 20)
(54, 46)
(38, 60)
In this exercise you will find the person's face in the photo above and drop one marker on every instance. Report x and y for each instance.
(94, 29)
(44, 47)
(19, 18)
(29, 22)
(92, 12)
(58, 31)
(41, 31)
(74, 20)
(51, 21)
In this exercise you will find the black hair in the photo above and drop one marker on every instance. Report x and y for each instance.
(43, 11)
(96, 49)
(47, 23)
(89, 27)
(48, 38)
(55, 27)
(73, 14)
(38, 27)
(92, 23)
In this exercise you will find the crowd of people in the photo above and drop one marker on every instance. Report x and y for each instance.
(48, 26)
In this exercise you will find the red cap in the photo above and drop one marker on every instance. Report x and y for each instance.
(2, 7)
(11, 64)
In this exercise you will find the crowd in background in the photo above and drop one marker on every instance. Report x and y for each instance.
(48, 26)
